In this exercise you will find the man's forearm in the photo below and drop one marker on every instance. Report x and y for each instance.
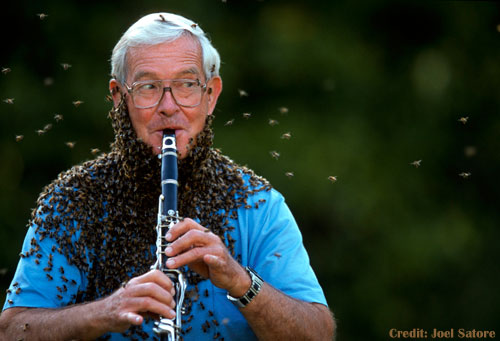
(80, 322)
(273, 315)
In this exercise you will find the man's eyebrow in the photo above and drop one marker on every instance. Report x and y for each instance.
(190, 71)
(144, 74)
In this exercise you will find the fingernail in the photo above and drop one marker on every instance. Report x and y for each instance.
(172, 313)
(168, 250)
(172, 291)
(137, 319)
(170, 262)
(172, 304)
(168, 236)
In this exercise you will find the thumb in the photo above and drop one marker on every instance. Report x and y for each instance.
(213, 261)
(133, 318)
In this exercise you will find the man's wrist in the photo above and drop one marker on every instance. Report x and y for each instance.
(254, 289)
(243, 285)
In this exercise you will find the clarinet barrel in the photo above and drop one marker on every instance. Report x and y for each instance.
(168, 216)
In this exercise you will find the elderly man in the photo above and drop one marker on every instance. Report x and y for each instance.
(84, 271)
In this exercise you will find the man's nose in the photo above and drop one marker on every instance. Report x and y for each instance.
(167, 105)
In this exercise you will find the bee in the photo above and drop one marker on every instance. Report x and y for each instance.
(272, 122)
(229, 123)
(286, 136)
(19, 138)
(59, 297)
(48, 81)
(49, 277)
(65, 280)
(25, 327)
(10, 301)
(465, 175)
(47, 127)
(61, 270)
(162, 18)
(40, 132)
(77, 103)
(246, 115)
(58, 117)
(242, 93)
(289, 175)
(194, 26)
(277, 255)
(6, 70)
(73, 282)
(212, 69)
(210, 312)
(65, 66)
(416, 163)
(202, 306)
(283, 110)
(214, 321)
(274, 154)
(95, 150)
(9, 100)
(225, 321)
(59, 289)
(37, 261)
(18, 291)
(204, 327)
(463, 119)
(39, 255)
(71, 144)
(188, 329)
(42, 16)
(216, 335)
(332, 178)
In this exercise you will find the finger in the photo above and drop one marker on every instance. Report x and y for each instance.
(155, 276)
(181, 228)
(191, 256)
(152, 290)
(149, 305)
(132, 318)
(192, 238)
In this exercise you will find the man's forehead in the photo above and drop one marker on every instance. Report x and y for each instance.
(182, 57)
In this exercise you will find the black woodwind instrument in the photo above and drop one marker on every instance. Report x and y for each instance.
(168, 216)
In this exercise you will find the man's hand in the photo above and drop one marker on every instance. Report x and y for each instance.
(150, 294)
(205, 253)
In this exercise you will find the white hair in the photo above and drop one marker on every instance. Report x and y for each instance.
(158, 28)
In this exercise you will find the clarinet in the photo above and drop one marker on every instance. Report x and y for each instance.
(168, 216)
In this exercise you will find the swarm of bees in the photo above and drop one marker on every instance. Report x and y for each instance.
(217, 188)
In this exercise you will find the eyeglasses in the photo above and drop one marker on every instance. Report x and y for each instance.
(148, 93)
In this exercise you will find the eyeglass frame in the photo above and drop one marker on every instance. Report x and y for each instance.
(130, 90)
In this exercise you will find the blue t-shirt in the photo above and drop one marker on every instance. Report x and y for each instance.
(267, 238)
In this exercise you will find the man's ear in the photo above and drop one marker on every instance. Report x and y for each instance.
(115, 91)
(214, 88)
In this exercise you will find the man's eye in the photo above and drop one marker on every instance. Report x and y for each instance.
(148, 87)
(188, 84)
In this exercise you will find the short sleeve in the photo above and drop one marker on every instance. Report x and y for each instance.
(275, 248)
(43, 278)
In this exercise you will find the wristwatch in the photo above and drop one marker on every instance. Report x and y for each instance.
(257, 282)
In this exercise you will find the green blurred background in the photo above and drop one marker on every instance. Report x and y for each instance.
(370, 87)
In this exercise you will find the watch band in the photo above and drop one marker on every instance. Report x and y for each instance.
(254, 289)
